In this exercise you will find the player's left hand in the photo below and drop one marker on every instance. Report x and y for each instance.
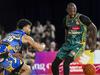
(92, 48)
(92, 51)
(42, 48)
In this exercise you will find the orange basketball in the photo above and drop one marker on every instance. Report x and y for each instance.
(89, 69)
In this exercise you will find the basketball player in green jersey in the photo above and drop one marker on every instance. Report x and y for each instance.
(79, 30)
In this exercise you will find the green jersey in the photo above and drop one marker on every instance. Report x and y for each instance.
(76, 30)
(75, 38)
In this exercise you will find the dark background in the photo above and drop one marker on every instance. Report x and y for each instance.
(53, 10)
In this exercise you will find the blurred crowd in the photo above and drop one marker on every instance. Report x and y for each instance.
(45, 34)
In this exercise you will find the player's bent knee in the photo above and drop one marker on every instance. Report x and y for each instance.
(55, 64)
(26, 68)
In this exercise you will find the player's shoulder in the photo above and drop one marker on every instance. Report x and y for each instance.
(85, 19)
(64, 18)
(26, 36)
(82, 16)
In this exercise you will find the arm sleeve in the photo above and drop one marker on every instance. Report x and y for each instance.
(85, 20)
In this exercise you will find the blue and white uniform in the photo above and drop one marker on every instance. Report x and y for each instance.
(11, 43)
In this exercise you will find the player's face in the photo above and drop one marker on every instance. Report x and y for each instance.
(71, 9)
(27, 29)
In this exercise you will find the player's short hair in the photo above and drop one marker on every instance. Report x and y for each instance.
(23, 22)
(72, 4)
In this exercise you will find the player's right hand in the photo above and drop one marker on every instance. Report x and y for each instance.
(42, 47)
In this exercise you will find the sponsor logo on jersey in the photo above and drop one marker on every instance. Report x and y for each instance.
(74, 32)
(75, 27)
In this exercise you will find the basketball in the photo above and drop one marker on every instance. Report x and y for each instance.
(89, 69)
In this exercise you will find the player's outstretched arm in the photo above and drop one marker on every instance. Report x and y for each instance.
(91, 32)
(29, 40)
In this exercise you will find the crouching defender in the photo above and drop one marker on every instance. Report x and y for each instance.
(10, 58)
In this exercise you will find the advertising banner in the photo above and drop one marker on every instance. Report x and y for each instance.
(43, 62)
